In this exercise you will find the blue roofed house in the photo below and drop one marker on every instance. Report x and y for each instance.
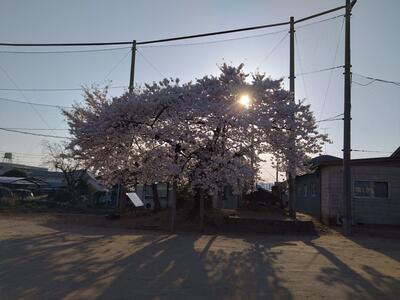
(45, 179)
(375, 190)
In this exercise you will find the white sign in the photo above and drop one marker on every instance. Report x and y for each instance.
(135, 199)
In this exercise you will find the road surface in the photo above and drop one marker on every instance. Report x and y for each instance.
(40, 259)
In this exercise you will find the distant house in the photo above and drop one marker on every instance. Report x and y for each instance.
(43, 178)
(28, 170)
(375, 190)
(22, 183)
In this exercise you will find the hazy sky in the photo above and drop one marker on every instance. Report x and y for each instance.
(375, 49)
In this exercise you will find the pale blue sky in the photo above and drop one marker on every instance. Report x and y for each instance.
(375, 48)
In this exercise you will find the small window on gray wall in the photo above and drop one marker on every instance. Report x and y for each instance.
(362, 189)
(381, 189)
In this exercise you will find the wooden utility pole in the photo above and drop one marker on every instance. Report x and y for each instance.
(174, 193)
(291, 176)
(132, 77)
(347, 124)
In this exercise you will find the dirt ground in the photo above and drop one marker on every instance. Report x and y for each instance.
(44, 259)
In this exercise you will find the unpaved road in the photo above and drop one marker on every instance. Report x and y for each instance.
(40, 259)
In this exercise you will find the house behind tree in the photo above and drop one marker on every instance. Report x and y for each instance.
(375, 190)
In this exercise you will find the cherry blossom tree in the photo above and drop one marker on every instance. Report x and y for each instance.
(198, 133)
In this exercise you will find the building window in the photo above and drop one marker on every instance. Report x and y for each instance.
(362, 189)
(313, 189)
(377, 189)
(381, 189)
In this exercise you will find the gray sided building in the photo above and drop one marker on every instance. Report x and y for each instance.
(375, 190)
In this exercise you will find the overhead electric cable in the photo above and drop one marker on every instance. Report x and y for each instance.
(372, 80)
(174, 38)
(36, 129)
(317, 22)
(117, 64)
(34, 103)
(272, 50)
(150, 63)
(370, 151)
(331, 73)
(301, 66)
(217, 41)
(23, 95)
(318, 71)
(56, 89)
(34, 134)
(63, 51)
(333, 118)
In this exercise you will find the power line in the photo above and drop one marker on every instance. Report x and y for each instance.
(23, 95)
(34, 129)
(117, 64)
(272, 50)
(331, 73)
(318, 71)
(173, 38)
(218, 41)
(34, 134)
(150, 64)
(371, 151)
(333, 118)
(211, 34)
(63, 51)
(329, 120)
(143, 42)
(373, 80)
(168, 45)
(34, 103)
(301, 67)
(362, 84)
(317, 22)
(56, 89)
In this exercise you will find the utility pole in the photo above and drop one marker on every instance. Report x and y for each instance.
(131, 83)
(347, 124)
(291, 177)
(132, 77)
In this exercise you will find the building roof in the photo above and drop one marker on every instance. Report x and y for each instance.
(20, 166)
(21, 181)
(328, 160)
(324, 159)
(396, 153)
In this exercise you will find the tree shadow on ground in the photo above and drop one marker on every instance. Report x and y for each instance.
(79, 262)
(64, 265)
(379, 286)
(383, 240)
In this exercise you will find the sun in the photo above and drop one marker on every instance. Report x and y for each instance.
(244, 100)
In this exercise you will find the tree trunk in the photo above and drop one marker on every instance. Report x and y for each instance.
(156, 200)
(194, 211)
(173, 205)
(201, 196)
